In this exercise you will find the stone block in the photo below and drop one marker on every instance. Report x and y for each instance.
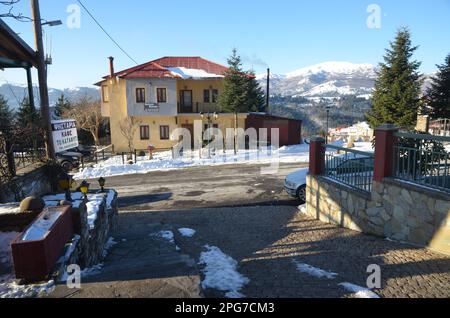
(406, 196)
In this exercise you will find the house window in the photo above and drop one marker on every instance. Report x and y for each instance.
(140, 95)
(206, 96)
(105, 94)
(145, 132)
(161, 95)
(215, 95)
(164, 132)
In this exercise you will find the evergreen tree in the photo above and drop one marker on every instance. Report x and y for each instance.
(255, 95)
(27, 115)
(6, 116)
(62, 106)
(396, 98)
(233, 99)
(438, 95)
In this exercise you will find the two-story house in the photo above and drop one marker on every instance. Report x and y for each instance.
(163, 95)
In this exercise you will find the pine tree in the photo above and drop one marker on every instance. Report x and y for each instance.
(255, 95)
(27, 115)
(396, 98)
(62, 106)
(6, 116)
(438, 95)
(233, 99)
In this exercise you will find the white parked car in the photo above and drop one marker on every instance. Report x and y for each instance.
(295, 184)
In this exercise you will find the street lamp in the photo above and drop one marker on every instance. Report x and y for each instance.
(52, 23)
(64, 182)
(328, 116)
(101, 183)
(84, 188)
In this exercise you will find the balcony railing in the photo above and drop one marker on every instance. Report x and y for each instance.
(199, 108)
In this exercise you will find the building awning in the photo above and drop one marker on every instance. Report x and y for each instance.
(14, 52)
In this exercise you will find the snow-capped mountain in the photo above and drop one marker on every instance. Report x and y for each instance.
(329, 79)
(14, 93)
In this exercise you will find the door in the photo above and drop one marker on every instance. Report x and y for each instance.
(190, 127)
(186, 102)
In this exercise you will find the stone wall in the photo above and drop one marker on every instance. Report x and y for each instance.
(87, 247)
(397, 210)
(34, 183)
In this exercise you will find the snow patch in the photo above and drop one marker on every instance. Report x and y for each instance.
(9, 208)
(221, 272)
(187, 232)
(314, 271)
(163, 161)
(39, 229)
(167, 235)
(13, 290)
(5, 246)
(359, 292)
(187, 73)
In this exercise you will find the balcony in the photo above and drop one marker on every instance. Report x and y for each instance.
(197, 108)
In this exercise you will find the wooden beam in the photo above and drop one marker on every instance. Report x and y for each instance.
(9, 63)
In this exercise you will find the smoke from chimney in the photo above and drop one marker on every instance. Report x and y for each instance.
(111, 66)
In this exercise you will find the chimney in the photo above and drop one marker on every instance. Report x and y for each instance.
(266, 110)
(111, 66)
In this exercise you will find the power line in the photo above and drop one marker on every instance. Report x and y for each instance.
(109, 36)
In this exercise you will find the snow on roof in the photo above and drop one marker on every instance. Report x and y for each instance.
(187, 73)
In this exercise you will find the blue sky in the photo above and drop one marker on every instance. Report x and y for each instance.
(284, 34)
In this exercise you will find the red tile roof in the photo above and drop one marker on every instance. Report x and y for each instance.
(158, 68)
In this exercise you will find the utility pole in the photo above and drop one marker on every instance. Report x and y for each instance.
(42, 77)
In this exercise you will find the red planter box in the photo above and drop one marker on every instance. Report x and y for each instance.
(34, 260)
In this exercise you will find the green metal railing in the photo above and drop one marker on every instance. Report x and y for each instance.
(351, 167)
(422, 159)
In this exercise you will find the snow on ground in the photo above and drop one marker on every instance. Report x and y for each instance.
(359, 292)
(314, 271)
(164, 161)
(9, 208)
(221, 272)
(5, 246)
(187, 232)
(13, 290)
(167, 235)
(302, 208)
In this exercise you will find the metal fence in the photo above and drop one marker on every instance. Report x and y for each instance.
(422, 159)
(351, 167)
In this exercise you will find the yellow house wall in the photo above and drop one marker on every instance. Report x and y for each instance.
(197, 87)
(117, 110)
(155, 138)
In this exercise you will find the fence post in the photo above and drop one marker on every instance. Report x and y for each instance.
(384, 152)
(316, 156)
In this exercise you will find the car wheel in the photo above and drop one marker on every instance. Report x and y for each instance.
(301, 193)
(67, 166)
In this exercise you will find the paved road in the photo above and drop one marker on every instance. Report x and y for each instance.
(219, 186)
(249, 218)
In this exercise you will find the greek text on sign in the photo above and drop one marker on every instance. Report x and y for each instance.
(65, 134)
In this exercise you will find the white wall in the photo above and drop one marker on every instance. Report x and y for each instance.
(150, 85)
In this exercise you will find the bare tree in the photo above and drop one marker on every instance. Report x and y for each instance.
(88, 115)
(128, 127)
(9, 4)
